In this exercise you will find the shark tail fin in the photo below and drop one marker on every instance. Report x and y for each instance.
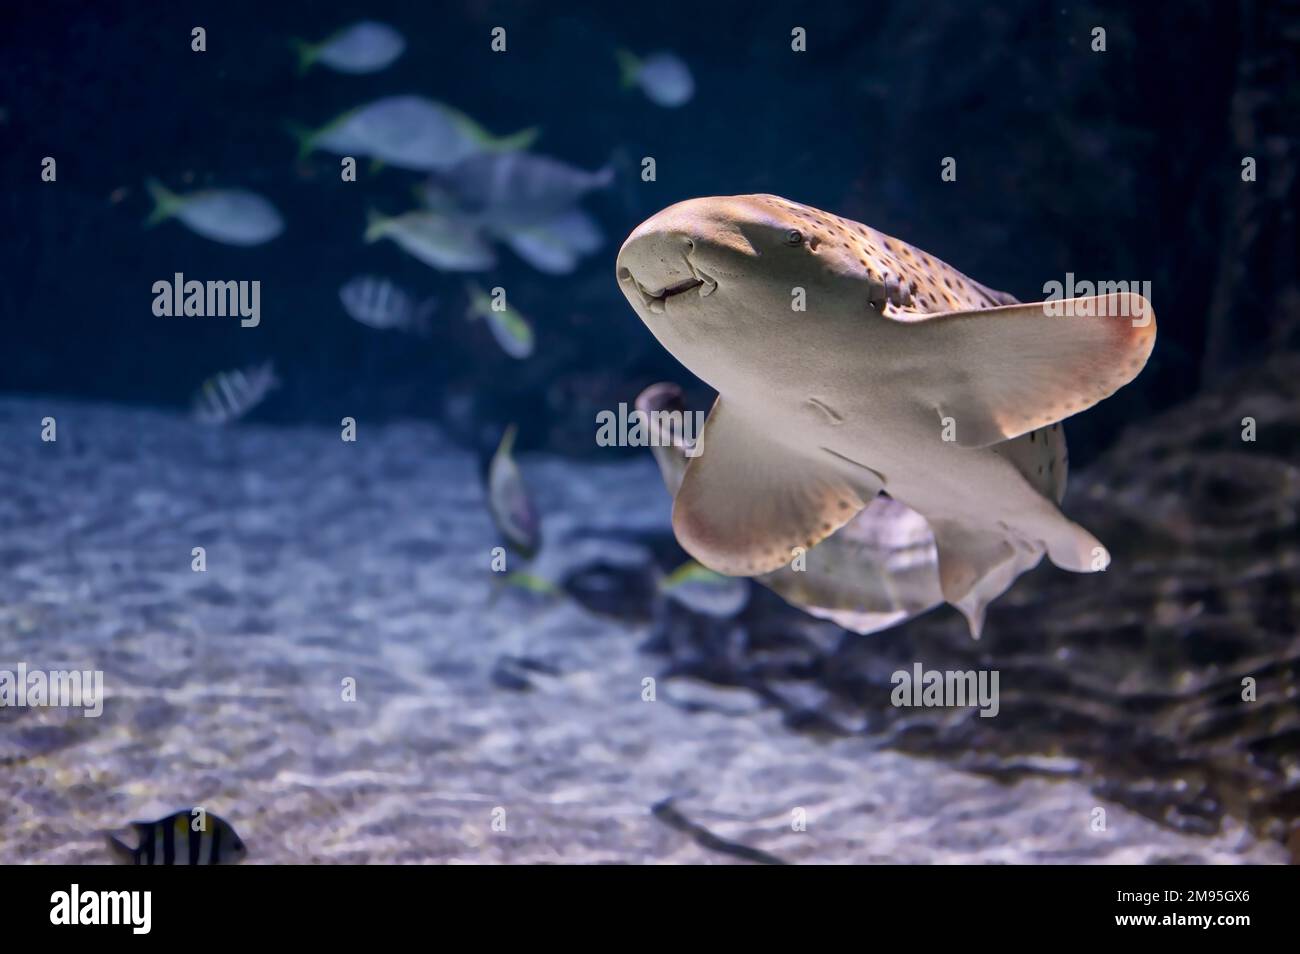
(165, 202)
(629, 65)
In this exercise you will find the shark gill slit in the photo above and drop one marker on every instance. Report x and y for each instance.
(831, 414)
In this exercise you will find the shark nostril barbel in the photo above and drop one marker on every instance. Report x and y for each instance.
(707, 284)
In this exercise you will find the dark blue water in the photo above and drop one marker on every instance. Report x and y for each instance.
(1109, 165)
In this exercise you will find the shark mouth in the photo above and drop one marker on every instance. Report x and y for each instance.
(656, 301)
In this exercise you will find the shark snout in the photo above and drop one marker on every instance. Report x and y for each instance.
(656, 265)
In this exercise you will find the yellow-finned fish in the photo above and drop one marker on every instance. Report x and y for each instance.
(229, 216)
(510, 329)
(509, 502)
(363, 47)
(703, 591)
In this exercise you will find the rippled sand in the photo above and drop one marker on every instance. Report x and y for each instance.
(329, 560)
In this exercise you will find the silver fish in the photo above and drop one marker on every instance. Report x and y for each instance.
(663, 77)
(190, 837)
(557, 246)
(703, 591)
(226, 397)
(364, 47)
(381, 304)
(409, 132)
(514, 189)
(230, 216)
(444, 242)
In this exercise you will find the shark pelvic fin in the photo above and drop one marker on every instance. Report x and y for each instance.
(993, 567)
(746, 502)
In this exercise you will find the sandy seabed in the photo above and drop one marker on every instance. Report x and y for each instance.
(370, 561)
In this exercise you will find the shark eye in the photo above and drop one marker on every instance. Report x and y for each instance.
(794, 237)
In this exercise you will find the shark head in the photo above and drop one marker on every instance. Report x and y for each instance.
(714, 278)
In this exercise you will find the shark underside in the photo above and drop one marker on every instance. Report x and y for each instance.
(851, 364)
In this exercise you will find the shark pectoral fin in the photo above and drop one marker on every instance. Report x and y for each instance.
(746, 502)
(1008, 371)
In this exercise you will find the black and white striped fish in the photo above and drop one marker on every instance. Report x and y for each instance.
(228, 396)
(192, 837)
(379, 303)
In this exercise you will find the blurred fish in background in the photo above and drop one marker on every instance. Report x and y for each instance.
(511, 330)
(526, 201)
(664, 78)
(511, 505)
(508, 189)
(408, 132)
(706, 592)
(557, 246)
(230, 216)
(440, 241)
(379, 303)
(364, 47)
(226, 397)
